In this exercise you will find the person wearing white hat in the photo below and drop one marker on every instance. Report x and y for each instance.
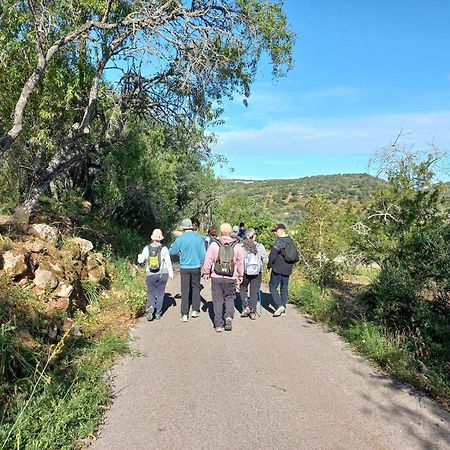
(159, 270)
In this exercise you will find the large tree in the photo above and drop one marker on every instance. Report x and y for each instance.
(75, 71)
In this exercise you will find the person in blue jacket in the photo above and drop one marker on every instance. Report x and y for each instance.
(190, 247)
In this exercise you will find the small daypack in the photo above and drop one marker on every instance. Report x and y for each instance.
(154, 258)
(289, 252)
(224, 264)
(252, 263)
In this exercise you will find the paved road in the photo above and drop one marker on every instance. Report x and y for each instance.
(274, 383)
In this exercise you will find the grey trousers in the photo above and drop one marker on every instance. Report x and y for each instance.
(156, 286)
(223, 291)
(190, 290)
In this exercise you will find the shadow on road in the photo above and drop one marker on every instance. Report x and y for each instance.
(417, 426)
(168, 301)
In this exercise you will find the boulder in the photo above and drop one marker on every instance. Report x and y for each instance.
(96, 268)
(6, 221)
(79, 247)
(36, 246)
(87, 206)
(15, 263)
(44, 232)
(59, 304)
(64, 290)
(45, 279)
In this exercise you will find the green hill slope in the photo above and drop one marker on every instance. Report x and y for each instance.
(286, 199)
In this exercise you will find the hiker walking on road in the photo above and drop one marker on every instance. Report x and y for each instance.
(254, 257)
(159, 270)
(282, 258)
(225, 266)
(190, 246)
(212, 234)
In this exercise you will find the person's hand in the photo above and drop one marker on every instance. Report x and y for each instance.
(240, 279)
(206, 276)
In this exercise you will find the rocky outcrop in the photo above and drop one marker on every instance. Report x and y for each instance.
(51, 273)
(44, 232)
(15, 263)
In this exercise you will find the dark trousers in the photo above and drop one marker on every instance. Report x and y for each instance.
(276, 279)
(223, 291)
(156, 288)
(190, 289)
(254, 282)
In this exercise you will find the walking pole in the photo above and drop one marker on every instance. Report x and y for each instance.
(259, 306)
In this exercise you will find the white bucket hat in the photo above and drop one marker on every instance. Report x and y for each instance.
(157, 235)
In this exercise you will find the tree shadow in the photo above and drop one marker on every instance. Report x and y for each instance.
(429, 430)
(168, 301)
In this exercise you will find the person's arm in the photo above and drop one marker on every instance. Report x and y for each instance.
(175, 247)
(239, 263)
(210, 258)
(273, 255)
(167, 261)
(202, 251)
(142, 257)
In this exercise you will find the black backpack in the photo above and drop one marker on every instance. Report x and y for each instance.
(289, 252)
(225, 259)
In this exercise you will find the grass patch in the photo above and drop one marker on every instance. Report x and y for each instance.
(395, 353)
(53, 393)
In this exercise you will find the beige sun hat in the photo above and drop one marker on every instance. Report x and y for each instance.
(157, 235)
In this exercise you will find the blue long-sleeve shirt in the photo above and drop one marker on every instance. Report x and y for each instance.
(191, 248)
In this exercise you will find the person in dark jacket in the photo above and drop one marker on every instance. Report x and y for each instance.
(281, 270)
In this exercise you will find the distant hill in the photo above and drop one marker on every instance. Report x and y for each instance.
(286, 199)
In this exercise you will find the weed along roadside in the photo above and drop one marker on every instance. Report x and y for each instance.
(344, 311)
(55, 353)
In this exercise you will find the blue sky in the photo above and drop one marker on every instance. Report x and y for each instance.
(364, 70)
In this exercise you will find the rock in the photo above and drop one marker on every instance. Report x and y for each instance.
(26, 339)
(44, 232)
(52, 332)
(87, 206)
(59, 304)
(36, 246)
(67, 324)
(64, 290)
(6, 221)
(45, 279)
(15, 263)
(80, 247)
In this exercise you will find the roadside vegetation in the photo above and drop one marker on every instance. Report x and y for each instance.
(96, 151)
(375, 269)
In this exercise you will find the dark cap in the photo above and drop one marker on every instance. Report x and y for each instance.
(279, 226)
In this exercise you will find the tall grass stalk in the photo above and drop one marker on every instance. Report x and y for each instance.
(59, 346)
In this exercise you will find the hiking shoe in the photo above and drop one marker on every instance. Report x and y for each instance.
(157, 316)
(245, 312)
(219, 329)
(228, 324)
(252, 316)
(149, 313)
(195, 314)
(184, 318)
(279, 311)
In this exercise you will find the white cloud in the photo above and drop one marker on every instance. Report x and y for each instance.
(351, 135)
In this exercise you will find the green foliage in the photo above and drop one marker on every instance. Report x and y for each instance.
(285, 200)
(322, 236)
(66, 404)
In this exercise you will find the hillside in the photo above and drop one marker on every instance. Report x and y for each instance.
(286, 198)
